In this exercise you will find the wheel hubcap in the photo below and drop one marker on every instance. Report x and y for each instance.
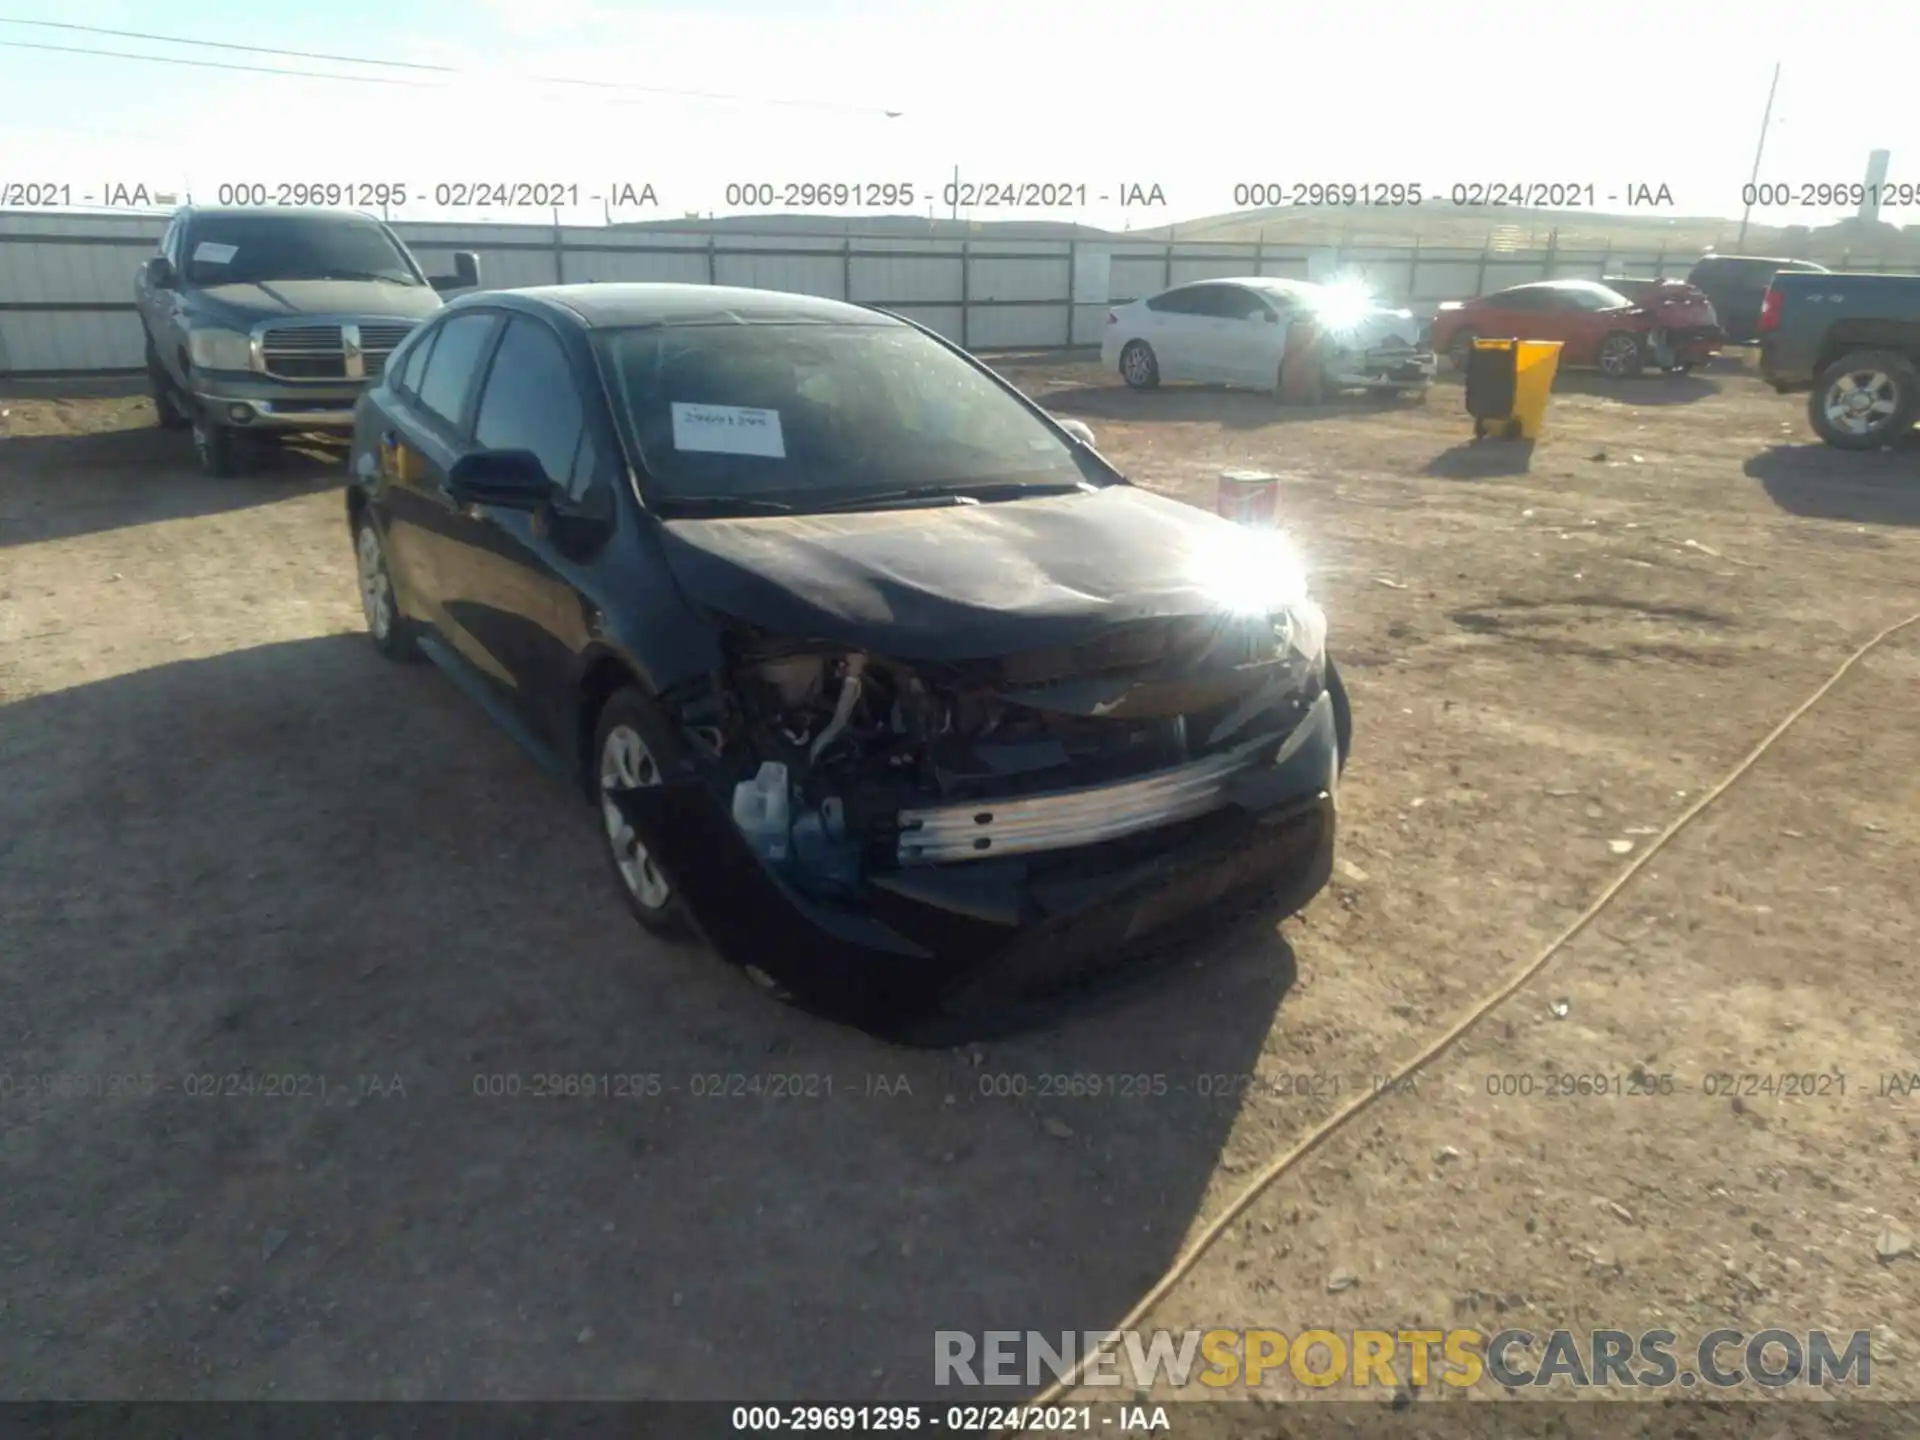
(1137, 365)
(1614, 357)
(376, 590)
(627, 764)
(1862, 402)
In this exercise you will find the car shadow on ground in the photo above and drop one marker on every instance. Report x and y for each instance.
(136, 477)
(409, 1108)
(1652, 388)
(1212, 404)
(1875, 487)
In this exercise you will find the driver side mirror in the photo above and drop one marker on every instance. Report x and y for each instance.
(466, 273)
(510, 479)
(160, 274)
(1079, 430)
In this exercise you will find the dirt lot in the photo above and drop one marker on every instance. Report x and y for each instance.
(235, 841)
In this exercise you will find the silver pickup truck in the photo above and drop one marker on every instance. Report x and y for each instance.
(269, 321)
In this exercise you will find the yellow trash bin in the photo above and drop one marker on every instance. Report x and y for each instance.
(1508, 384)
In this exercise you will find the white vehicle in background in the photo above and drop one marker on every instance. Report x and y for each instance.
(1234, 332)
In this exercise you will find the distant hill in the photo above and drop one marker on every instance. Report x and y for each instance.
(1445, 226)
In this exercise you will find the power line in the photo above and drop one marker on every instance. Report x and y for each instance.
(217, 64)
(448, 70)
(228, 45)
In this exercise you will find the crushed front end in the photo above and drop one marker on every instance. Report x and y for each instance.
(881, 836)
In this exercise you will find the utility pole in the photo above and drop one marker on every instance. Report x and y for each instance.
(1766, 120)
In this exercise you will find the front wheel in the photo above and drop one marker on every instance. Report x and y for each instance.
(219, 449)
(1621, 357)
(1865, 400)
(167, 409)
(625, 742)
(1138, 367)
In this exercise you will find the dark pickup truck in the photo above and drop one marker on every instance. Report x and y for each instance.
(264, 322)
(1853, 341)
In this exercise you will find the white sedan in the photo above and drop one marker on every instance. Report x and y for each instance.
(1234, 332)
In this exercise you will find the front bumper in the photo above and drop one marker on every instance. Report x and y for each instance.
(959, 939)
(1393, 369)
(252, 402)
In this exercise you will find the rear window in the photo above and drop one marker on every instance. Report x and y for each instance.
(796, 412)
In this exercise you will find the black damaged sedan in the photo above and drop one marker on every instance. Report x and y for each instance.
(878, 675)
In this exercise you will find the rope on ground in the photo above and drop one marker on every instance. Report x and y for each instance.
(1280, 1165)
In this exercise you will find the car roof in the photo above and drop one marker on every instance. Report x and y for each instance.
(1556, 285)
(626, 304)
(1752, 260)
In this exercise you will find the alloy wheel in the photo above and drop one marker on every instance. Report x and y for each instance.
(376, 586)
(627, 764)
(1861, 401)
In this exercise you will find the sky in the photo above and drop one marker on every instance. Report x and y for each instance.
(1194, 98)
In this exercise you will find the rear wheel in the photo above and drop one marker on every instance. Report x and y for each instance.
(1865, 400)
(392, 633)
(1138, 367)
(1621, 356)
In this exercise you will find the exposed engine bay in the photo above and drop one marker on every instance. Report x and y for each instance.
(837, 763)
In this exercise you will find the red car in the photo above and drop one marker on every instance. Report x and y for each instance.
(1669, 325)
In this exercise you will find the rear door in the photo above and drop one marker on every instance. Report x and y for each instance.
(1175, 328)
(512, 577)
(423, 430)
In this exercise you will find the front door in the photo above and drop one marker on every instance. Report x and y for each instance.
(511, 574)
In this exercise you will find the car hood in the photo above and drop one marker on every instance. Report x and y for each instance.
(953, 583)
(247, 304)
(1377, 327)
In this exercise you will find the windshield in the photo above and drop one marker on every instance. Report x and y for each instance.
(809, 414)
(247, 249)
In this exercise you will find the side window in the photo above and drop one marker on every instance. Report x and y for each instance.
(169, 242)
(450, 369)
(532, 401)
(1188, 300)
(1236, 304)
(1216, 302)
(413, 363)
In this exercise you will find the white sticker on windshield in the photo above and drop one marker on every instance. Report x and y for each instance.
(213, 253)
(728, 430)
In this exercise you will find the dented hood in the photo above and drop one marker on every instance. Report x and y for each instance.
(949, 583)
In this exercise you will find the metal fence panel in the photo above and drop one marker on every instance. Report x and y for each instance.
(66, 279)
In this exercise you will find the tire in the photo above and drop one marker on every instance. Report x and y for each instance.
(1460, 350)
(1342, 713)
(1865, 400)
(1621, 356)
(625, 739)
(168, 411)
(1139, 367)
(221, 451)
(392, 633)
